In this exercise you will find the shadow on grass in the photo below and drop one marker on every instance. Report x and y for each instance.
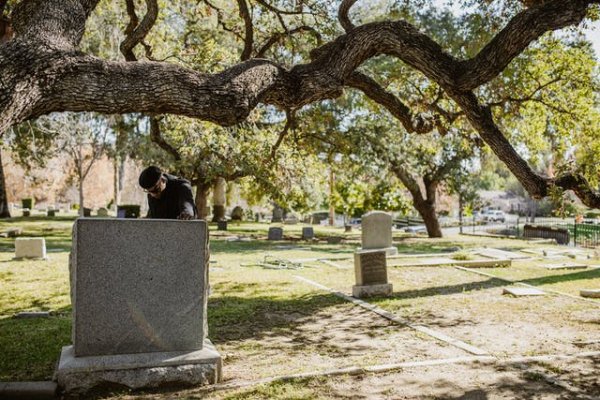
(37, 218)
(256, 246)
(489, 284)
(448, 290)
(548, 280)
(232, 317)
(30, 347)
(500, 381)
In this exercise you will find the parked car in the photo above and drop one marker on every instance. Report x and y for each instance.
(495, 216)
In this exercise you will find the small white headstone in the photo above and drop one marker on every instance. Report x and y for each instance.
(500, 254)
(376, 232)
(593, 293)
(30, 248)
(523, 291)
(566, 266)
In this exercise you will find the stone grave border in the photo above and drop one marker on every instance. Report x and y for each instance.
(515, 282)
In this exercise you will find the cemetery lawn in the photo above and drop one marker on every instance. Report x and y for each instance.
(274, 322)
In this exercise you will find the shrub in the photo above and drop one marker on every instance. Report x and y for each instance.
(27, 203)
(237, 214)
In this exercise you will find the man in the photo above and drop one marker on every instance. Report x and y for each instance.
(169, 197)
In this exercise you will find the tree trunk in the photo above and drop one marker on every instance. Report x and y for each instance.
(81, 198)
(426, 210)
(219, 200)
(331, 194)
(202, 199)
(4, 211)
(116, 193)
(80, 179)
(461, 207)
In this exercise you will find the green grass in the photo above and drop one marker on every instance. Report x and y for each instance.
(30, 347)
(258, 318)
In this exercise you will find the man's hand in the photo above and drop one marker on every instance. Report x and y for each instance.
(185, 216)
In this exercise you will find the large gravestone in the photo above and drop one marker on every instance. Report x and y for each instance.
(139, 296)
(370, 269)
(377, 232)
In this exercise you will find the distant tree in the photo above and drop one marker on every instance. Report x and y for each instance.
(82, 138)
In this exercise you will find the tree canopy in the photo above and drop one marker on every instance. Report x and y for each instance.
(291, 54)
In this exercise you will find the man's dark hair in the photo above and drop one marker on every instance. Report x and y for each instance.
(149, 177)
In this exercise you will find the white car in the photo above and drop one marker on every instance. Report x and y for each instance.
(495, 216)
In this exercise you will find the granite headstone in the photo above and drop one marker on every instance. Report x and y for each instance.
(275, 233)
(139, 297)
(370, 270)
(308, 233)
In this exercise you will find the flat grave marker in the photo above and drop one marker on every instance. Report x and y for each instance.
(565, 266)
(591, 293)
(500, 254)
(523, 291)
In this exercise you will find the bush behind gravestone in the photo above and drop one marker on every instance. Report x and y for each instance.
(27, 202)
(237, 214)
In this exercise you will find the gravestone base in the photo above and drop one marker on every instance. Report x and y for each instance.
(389, 251)
(361, 291)
(79, 375)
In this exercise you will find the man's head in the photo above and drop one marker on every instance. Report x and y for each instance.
(152, 181)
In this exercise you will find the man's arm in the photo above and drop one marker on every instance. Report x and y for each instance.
(187, 208)
(149, 199)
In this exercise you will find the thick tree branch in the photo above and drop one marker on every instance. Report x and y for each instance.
(523, 29)
(536, 185)
(41, 71)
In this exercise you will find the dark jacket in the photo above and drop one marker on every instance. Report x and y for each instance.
(176, 198)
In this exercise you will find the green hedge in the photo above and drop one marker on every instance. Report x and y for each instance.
(27, 203)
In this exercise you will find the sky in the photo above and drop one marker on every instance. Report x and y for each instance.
(593, 34)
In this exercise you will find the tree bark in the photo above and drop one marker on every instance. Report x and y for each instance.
(426, 210)
(4, 210)
(219, 199)
(425, 206)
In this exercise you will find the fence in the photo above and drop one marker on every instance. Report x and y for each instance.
(404, 222)
(585, 234)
